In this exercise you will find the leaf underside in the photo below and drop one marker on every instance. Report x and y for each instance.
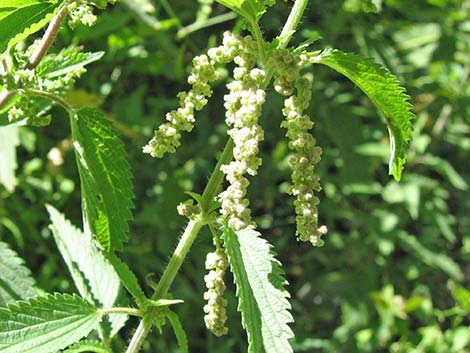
(385, 92)
(92, 274)
(260, 290)
(16, 282)
(46, 324)
(105, 178)
(19, 19)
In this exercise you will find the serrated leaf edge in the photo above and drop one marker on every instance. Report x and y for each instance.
(397, 128)
(33, 28)
(286, 306)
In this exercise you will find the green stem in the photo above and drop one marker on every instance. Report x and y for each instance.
(138, 339)
(212, 187)
(210, 192)
(51, 96)
(193, 227)
(288, 30)
(185, 243)
(123, 311)
(292, 22)
(256, 31)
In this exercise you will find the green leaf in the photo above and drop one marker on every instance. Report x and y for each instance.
(21, 18)
(65, 61)
(88, 346)
(178, 330)
(128, 278)
(16, 282)
(260, 290)
(431, 258)
(9, 140)
(46, 324)
(385, 92)
(105, 177)
(93, 275)
(251, 10)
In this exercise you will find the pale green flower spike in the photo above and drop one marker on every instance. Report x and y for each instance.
(167, 137)
(243, 105)
(304, 180)
(216, 316)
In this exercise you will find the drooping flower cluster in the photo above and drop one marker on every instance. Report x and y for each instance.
(305, 182)
(243, 107)
(167, 137)
(216, 316)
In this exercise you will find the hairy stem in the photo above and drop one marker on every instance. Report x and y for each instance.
(193, 227)
(140, 334)
(212, 187)
(48, 38)
(292, 22)
(184, 245)
(123, 311)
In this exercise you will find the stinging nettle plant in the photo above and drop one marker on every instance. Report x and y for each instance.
(31, 81)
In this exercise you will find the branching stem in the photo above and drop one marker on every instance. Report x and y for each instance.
(292, 22)
(212, 187)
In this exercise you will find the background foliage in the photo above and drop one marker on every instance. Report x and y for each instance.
(394, 272)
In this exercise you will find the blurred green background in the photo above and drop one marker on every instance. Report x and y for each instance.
(394, 273)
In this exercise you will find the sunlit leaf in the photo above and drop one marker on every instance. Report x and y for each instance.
(46, 324)
(105, 177)
(21, 18)
(385, 92)
(260, 290)
(93, 275)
